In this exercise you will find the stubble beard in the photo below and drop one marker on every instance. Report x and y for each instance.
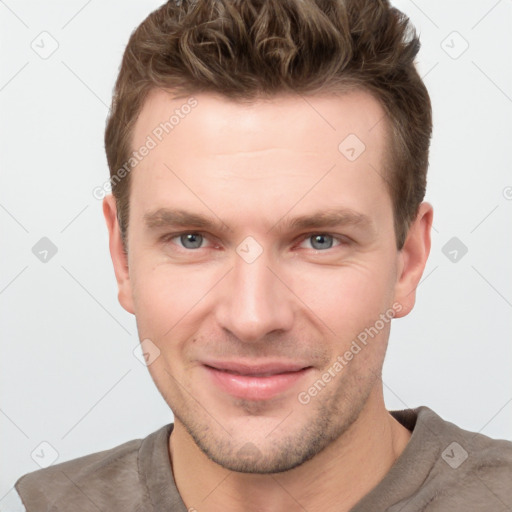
(286, 447)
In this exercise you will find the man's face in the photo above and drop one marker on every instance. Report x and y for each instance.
(253, 292)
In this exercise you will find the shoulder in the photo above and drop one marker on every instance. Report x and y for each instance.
(464, 446)
(92, 482)
(472, 470)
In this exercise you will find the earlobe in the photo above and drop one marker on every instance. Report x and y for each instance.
(413, 258)
(119, 257)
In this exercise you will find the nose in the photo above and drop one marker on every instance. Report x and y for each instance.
(254, 300)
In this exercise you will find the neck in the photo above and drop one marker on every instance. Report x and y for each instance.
(335, 479)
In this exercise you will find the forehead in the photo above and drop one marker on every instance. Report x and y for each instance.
(225, 126)
(241, 158)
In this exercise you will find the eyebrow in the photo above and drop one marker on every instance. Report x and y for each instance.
(325, 218)
(176, 218)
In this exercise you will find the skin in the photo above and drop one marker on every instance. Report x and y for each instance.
(253, 167)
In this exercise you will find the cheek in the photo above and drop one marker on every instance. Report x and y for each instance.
(171, 301)
(346, 300)
(167, 298)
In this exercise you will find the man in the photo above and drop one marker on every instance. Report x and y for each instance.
(268, 162)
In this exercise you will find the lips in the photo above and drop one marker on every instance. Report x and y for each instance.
(256, 370)
(251, 373)
(255, 381)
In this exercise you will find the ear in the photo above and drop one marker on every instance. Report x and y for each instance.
(413, 258)
(119, 257)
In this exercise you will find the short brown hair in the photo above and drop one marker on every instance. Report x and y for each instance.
(243, 49)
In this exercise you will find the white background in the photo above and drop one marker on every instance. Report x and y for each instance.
(68, 373)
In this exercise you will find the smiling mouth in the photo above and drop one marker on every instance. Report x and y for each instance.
(256, 382)
(267, 374)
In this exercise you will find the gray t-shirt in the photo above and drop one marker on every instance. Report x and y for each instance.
(443, 468)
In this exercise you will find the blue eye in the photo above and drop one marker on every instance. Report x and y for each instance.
(321, 241)
(194, 239)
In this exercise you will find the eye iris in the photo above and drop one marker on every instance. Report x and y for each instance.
(322, 239)
(194, 239)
